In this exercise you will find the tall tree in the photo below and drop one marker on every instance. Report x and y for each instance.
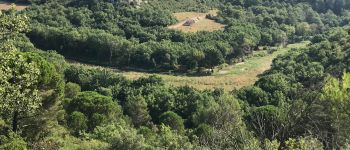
(19, 95)
(136, 108)
(336, 97)
(10, 25)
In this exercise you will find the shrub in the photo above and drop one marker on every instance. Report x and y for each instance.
(172, 120)
(77, 122)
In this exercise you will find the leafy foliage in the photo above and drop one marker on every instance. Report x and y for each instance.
(302, 102)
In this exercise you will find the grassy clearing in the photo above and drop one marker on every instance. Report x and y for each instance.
(256, 63)
(203, 24)
(181, 16)
(7, 5)
(229, 78)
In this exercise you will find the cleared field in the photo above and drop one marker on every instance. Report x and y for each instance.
(203, 24)
(181, 16)
(6, 6)
(229, 78)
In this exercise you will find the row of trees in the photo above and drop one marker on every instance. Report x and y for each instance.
(99, 47)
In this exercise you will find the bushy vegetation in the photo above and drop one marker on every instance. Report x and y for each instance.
(302, 102)
(122, 36)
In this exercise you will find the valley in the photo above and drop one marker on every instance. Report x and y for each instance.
(175, 75)
(229, 78)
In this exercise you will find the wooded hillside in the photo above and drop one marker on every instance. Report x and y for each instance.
(301, 102)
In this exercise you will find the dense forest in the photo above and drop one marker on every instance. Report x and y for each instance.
(301, 103)
(91, 31)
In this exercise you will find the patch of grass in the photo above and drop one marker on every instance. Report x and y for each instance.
(257, 65)
(7, 5)
(181, 16)
(204, 24)
(230, 77)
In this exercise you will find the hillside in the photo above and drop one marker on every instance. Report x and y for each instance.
(127, 75)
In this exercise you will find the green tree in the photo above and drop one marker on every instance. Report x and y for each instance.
(78, 122)
(71, 90)
(172, 120)
(224, 117)
(120, 136)
(10, 25)
(12, 142)
(303, 29)
(212, 58)
(19, 95)
(266, 121)
(203, 131)
(170, 139)
(303, 143)
(336, 98)
(98, 109)
(136, 108)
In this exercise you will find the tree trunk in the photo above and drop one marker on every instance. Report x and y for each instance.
(15, 121)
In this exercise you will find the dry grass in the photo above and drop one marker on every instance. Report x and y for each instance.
(206, 82)
(229, 78)
(203, 24)
(7, 6)
(181, 16)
